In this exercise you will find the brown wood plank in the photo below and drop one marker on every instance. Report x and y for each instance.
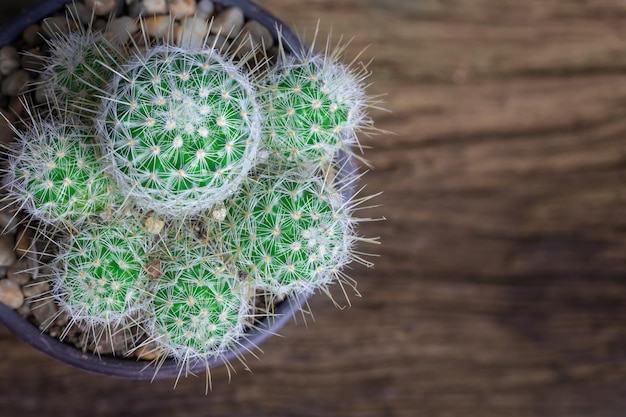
(501, 285)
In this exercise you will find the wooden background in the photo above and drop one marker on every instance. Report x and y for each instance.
(501, 284)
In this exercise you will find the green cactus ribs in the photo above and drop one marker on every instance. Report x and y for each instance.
(183, 128)
(314, 109)
(200, 305)
(288, 232)
(102, 273)
(57, 174)
(79, 67)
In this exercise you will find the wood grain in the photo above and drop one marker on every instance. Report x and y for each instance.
(500, 289)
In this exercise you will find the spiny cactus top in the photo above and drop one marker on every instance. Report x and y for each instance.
(288, 232)
(56, 174)
(103, 279)
(200, 306)
(314, 107)
(78, 69)
(183, 129)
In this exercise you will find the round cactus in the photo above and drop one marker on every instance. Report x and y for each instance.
(183, 129)
(314, 107)
(56, 174)
(288, 232)
(200, 306)
(101, 273)
(78, 69)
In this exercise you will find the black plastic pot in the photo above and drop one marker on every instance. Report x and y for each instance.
(128, 367)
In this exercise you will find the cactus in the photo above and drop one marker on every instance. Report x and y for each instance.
(201, 306)
(290, 233)
(100, 276)
(183, 128)
(79, 67)
(315, 105)
(55, 173)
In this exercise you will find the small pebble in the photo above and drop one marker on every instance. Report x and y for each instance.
(219, 212)
(16, 106)
(228, 23)
(36, 289)
(154, 7)
(24, 309)
(112, 340)
(8, 219)
(218, 42)
(55, 26)
(7, 253)
(204, 9)
(55, 331)
(10, 294)
(122, 28)
(157, 26)
(44, 312)
(154, 225)
(33, 60)
(7, 136)
(254, 36)
(135, 10)
(15, 83)
(32, 35)
(43, 93)
(18, 273)
(81, 12)
(149, 352)
(153, 268)
(9, 60)
(23, 242)
(61, 319)
(192, 33)
(182, 8)
(101, 7)
(99, 25)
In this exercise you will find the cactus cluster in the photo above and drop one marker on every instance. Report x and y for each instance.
(178, 187)
(201, 306)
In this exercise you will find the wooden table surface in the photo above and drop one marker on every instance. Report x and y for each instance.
(500, 289)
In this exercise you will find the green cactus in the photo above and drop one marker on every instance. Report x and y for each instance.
(100, 273)
(79, 67)
(290, 233)
(315, 105)
(201, 307)
(56, 174)
(183, 129)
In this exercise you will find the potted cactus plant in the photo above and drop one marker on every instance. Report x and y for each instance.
(187, 197)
